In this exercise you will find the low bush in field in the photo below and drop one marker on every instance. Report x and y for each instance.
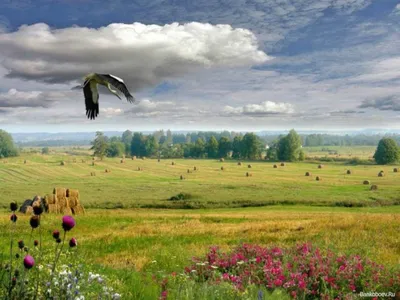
(303, 272)
(35, 270)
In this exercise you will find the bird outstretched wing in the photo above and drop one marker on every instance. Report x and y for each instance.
(91, 99)
(119, 84)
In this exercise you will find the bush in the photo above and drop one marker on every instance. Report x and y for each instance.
(181, 196)
(303, 271)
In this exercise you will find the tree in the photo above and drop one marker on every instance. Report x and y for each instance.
(237, 147)
(224, 146)
(212, 147)
(138, 144)
(387, 152)
(302, 156)
(115, 149)
(7, 147)
(251, 146)
(199, 148)
(100, 145)
(289, 147)
(169, 137)
(151, 146)
(45, 150)
(127, 140)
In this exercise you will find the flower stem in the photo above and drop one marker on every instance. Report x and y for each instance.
(59, 252)
(11, 259)
(40, 257)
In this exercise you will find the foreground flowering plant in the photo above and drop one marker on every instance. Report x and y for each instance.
(303, 272)
(40, 272)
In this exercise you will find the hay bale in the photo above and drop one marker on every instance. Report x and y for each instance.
(249, 166)
(248, 174)
(60, 192)
(308, 174)
(159, 160)
(107, 171)
(134, 157)
(366, 182)
(239, 163)
(318, 178)
(25, 161)
(139, 169)
(29, 210)
(93, 158)
(62, 163)
(27, 203)
(320, 166)
(195, 168)
(66, 211)
(348, 172)
(72, 193)
(188, 171)
(53, 209)
(381, 174)
(78, 210)
(49, 199)
(73, 201)
(374, 187)
(173, 163)
(144, 158)
(63, 202)
(222, 168)
(275, 166)
(84, 161)
(92, 173)
(93, 164)
(221, 160)
(282, 164)
(122, 161)
(395, 170)
(182, 177)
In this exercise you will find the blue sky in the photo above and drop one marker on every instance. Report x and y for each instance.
(281, 64)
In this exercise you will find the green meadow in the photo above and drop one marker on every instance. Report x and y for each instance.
(131, 230)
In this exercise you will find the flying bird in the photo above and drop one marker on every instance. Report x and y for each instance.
(92, 94)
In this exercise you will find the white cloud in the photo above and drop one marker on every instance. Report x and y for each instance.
(14, 98)
(264, 108)
(143, 55)
(147, 108)
(111, 112)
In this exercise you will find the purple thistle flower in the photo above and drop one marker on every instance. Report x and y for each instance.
(73, 242)
(13, 218)
(29, 262)
(68, 223)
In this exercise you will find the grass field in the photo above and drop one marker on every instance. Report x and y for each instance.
(209, 186)
(134, 242)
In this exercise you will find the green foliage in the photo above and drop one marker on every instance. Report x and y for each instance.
(138, 144)
(115, 149)
(100, 145)
(224, 146)
(45, 150)
(151, 146)
(7, 147)
(251, 146)
(302, 156)
(181, 196)
(199, 148)
(289, 147)
(237, 147)
(212, 147)
(387, 152)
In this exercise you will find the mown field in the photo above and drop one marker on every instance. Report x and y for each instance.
(208, 187)
(140, 238)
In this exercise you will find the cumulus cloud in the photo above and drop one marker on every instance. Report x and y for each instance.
(111, 112)
(14, 98)
(264, 108)
(141, 54)
(385, 103)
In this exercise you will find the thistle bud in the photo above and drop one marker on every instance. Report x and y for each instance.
(13, 206)
(35, 221)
